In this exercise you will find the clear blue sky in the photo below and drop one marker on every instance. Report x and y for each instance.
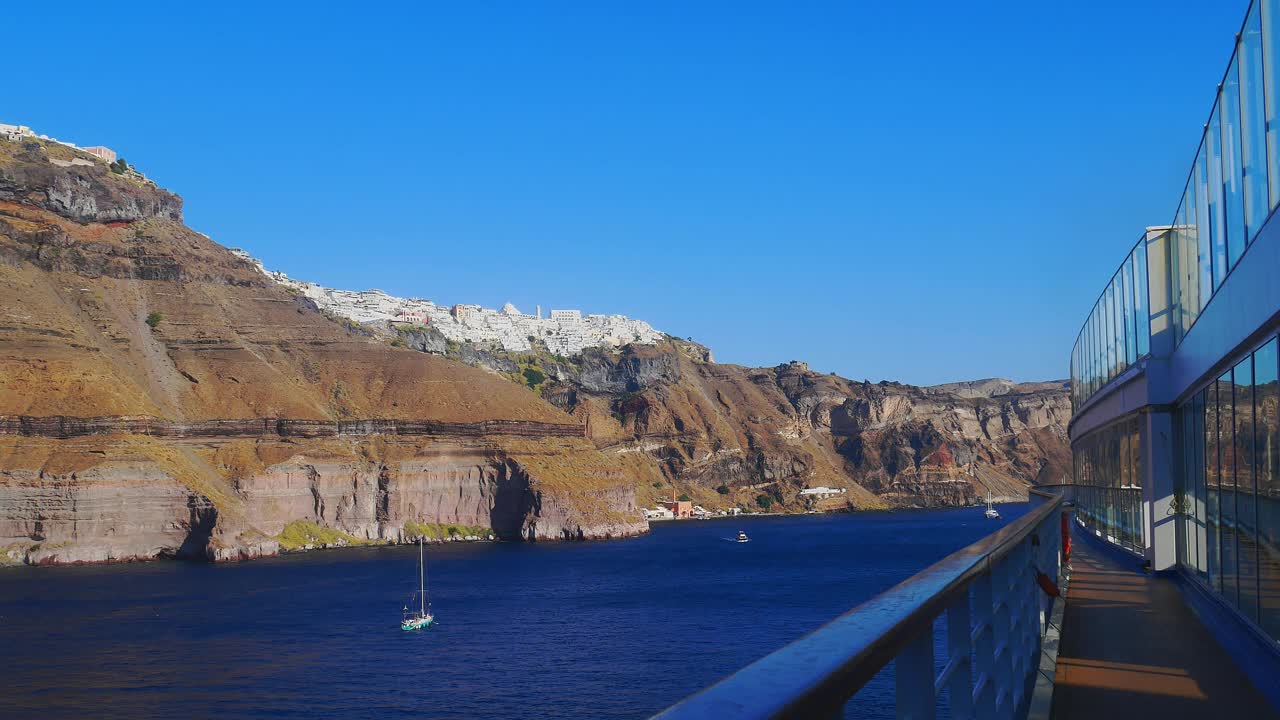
(922, 191)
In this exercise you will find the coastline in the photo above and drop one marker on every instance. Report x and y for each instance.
(8, 560)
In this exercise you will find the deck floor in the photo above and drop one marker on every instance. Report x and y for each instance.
(1132, 648)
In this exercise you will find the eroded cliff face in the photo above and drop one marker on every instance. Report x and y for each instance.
(76, 186)
(124, 509)
(129, 497)
(380, 490)
(727, 435)
(160, 397)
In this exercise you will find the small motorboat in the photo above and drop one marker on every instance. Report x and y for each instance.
(742, 537)
(991, 513)
(421, 618)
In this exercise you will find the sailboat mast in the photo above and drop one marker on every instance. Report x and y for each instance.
(422, 581)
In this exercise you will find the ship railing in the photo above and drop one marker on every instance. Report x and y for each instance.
(988, 596)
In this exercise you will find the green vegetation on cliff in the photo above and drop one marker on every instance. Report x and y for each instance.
(301, 533)
(439, 531)
(534, 377)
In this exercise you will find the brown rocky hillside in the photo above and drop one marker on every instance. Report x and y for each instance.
(727, 434)
(159, 396)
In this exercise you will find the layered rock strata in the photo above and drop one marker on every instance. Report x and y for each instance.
(160, 397)
(130, 497)
(728, 435)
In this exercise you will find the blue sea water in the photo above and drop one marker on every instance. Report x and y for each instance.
(617, 629)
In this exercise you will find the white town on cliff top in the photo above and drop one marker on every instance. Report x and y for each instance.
(565, 332)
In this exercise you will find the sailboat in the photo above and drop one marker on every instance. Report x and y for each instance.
(421, 618)
(992, 513)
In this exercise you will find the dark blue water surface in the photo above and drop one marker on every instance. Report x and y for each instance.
(616, 629)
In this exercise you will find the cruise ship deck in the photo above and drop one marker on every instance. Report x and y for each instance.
(1132, 647)
(1173, 602)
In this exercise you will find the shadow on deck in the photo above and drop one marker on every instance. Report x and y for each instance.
(1133, 648)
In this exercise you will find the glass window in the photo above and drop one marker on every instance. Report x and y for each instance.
(1211, 487)
(1201, 489)
(1232, 165)
(1143, 299)
(1139, 518)
(1253, 132)
(1188, 516)
(1108, 467)
(1227, 543)
(1245, 519)
(1180, 483)
(1115, 496)
(1266, 464)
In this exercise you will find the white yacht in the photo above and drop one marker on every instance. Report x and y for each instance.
(992, 513)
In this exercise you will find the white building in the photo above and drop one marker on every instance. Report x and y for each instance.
(104, 153)
(15, 132)
(822, 492)
(566, 332)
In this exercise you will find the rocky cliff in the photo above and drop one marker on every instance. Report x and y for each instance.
(160, 397)
(729, 435)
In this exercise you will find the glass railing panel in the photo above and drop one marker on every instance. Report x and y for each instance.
(1270, 24)
(1179, 240)
(1143, 307)
(1109, 310)
(1217, 216)
(1130, 318)
(1204, 229)
(1232, 166)
(1117, 332)
(1253, 129)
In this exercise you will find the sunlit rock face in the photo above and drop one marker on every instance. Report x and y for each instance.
(727, 434)
(160, 396)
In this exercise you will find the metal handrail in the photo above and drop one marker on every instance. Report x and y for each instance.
(817, 674)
